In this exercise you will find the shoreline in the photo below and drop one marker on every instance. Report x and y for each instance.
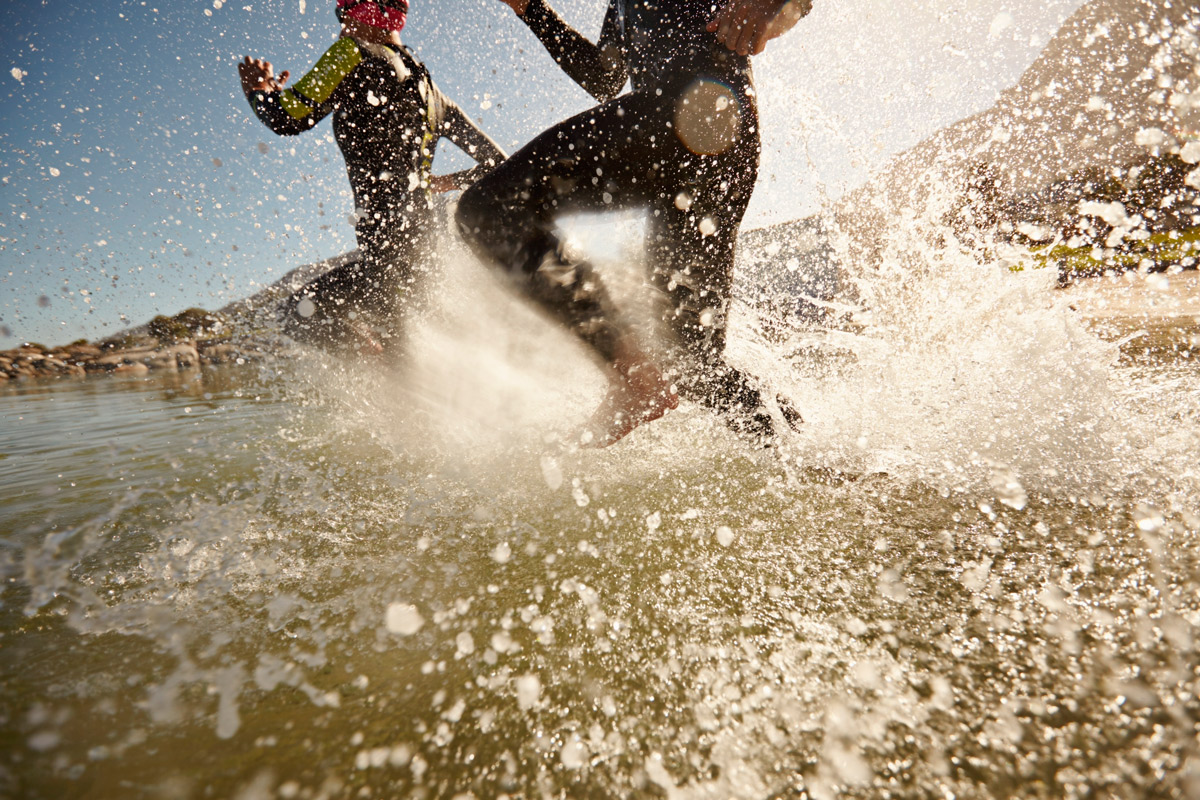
(1111, 303)
(79, 360)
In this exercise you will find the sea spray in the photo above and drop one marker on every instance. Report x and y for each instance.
(945, 363)
(989, 591)
(260, 563)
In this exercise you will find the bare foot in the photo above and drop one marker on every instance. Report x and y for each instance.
(639, 395)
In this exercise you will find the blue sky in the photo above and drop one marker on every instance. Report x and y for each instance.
(135, 181)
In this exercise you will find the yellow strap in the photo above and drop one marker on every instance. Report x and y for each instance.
(429, 137)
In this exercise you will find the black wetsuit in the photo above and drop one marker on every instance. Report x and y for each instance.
(387, 118)
(683, 144)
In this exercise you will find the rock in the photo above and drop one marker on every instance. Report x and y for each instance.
(185, 354)
(28, 362)
(78, 354)
(160, 359)
(137, 355)
(137, 368)
(139, 359)
(178, 356)
(109, 362)
(221, 353)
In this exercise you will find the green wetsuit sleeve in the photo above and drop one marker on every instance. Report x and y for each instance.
(599, 68)
(295, 110)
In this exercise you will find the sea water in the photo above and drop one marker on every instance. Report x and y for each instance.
(975, 573)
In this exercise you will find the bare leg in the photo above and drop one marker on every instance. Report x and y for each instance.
(637, 393)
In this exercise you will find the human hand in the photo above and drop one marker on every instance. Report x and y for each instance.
(259, 76)
(745, 26)
(518, 6)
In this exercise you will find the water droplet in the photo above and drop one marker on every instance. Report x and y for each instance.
(529, 691)
(404, 619)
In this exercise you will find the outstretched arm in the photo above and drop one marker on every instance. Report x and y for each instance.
(745, 26)
(599, 68)
(295, 110)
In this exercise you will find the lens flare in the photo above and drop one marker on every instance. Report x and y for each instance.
(707, 117)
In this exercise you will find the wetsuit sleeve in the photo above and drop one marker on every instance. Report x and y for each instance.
(599, 68)
(295, 110)
(453, 123)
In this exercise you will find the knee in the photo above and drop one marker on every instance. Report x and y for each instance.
(496, 232)
(473, 213)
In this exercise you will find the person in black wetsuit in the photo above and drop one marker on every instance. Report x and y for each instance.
(387, 119)
(684, 145)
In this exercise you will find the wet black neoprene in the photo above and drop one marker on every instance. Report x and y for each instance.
(683, 144)
(387, 119)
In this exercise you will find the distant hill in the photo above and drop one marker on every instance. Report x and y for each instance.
(1115, 87)
(788, 271)
(243, 318)
(260, 307)
(1107, 109)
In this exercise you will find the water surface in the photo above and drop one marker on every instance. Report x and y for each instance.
(978, 577)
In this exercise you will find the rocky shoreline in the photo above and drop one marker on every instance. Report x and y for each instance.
(81, 359)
